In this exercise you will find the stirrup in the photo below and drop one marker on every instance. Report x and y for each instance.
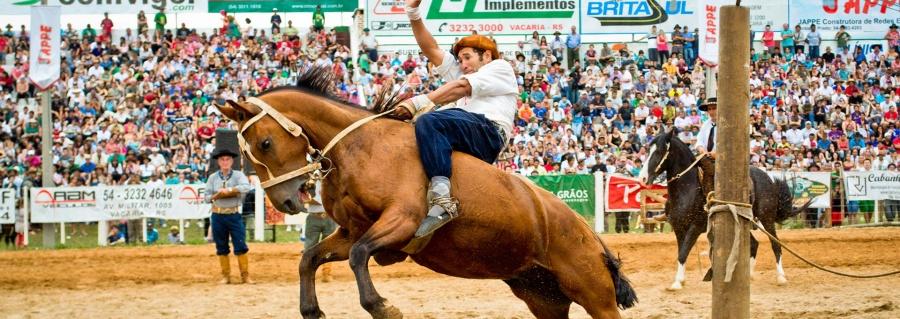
(432, 223)
(448, 203)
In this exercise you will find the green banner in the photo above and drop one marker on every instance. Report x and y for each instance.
(282, 5)
(576, 190)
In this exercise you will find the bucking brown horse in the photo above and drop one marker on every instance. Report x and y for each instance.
(374, 187)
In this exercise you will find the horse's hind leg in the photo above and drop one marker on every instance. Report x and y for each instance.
(540, 291)
(584, 278)
(333, 248)
(776, 248)
(754, 247)
(395, 226)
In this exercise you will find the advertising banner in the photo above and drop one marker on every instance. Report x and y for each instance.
(462, 17)
(806, 185)
(708, 36)
(281, 5)
(872, 185)
(576, 190)
(150, 7)
(44, 56)
(862, 19)
(85, 204)
(7, 206)
(623, 193)
(637, 16)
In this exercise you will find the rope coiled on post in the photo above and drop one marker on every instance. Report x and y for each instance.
(737, 210)
(745, 211)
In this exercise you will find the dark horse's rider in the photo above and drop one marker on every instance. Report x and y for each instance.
(484, 88)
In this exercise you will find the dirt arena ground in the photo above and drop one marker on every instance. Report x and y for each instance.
(177, 282)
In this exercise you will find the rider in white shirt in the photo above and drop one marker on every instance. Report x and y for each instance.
(484, 89)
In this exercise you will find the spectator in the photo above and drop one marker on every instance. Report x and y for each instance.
(573, 44)
(276, 21)
(175, 236)
(318, 19)
(160, 20)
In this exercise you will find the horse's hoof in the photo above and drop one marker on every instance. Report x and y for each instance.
(313, 314)
(782, 281)
(675, 286)
(388, 311)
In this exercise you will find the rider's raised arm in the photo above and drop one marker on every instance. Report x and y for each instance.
(424, 38)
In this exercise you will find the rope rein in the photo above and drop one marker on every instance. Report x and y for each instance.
(677, 176)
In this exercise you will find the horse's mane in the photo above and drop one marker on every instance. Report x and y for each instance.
(319, 81)
(674, 141)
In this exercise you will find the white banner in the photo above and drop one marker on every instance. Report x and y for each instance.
(637, 16)
(7, 206)
(709, 30)
(150, 7)
(44, 57)
(461, 17)
(863, 19)
(872, 185)
(87, 204)
(806, 185)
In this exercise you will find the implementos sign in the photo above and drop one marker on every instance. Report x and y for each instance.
(635, 12)
(501, 9)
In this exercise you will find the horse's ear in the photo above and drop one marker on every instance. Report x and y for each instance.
(670, 131)
(235, 111)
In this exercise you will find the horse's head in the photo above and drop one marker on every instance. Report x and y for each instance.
(658, 159)
(276, 146)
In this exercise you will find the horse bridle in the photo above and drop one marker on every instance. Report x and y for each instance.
(686, 169)
(318, 156)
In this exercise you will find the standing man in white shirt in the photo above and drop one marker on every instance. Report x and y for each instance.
(484, 88)
(370, 44)
(706, 139)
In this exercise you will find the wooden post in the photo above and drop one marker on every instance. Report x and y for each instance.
(732, 299)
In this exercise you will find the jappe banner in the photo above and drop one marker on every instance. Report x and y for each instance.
(44, 57)
(863, 19)
(85, 204)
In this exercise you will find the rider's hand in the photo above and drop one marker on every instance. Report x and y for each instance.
(402, 110)
(413, 3)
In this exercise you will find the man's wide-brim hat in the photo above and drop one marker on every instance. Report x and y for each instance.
(219, 152)
(709, 102)
(477, 41)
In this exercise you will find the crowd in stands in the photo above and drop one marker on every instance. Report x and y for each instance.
(139, 108)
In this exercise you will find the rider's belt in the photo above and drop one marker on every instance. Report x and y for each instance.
(502, 134)
(225, 210)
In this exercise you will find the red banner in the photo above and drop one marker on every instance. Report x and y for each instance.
(623, 193)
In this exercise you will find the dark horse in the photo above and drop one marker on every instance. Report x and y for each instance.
(771, 198)
(374, 188)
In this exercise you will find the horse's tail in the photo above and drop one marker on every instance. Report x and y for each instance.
(625, 295)
(786, 202)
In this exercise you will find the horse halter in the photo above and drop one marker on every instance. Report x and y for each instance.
(315, 166)
(662, 160)
(289, 126)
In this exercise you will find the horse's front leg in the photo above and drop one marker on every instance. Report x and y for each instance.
(333, 248)
(395, 227)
